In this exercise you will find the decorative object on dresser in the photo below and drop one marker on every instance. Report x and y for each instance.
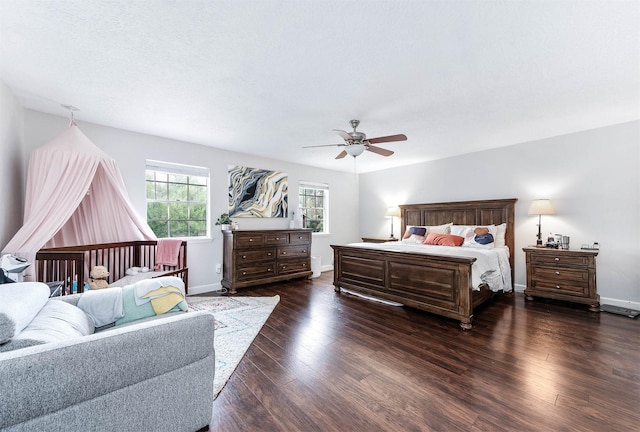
(392, 212)
(540, 207)
(562, 274)
(432, 281)
(378, 240)
(255, 257)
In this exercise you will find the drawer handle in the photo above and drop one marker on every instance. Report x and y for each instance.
(304, 265)
(268, 270)
(277, 238)
(557, 272)
(284, 267)
(304, 251)
(269, 254)
(284, 253)
(244, 256)
(299, 237)
(557, 259)
(244, 273)
(557, 286)
(252, 240)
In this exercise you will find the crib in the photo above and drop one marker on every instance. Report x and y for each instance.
(71, 264)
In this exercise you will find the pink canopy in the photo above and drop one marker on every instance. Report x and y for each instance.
(75, 196)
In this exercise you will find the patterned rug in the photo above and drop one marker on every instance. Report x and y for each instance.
(238, 321)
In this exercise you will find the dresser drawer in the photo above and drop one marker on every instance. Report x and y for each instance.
(293, 266)
(247, 240)
(300, 237)
(559, 274)
(256, 271)
(278, 238)
(560, 259)
(301, 251)
(247, 256)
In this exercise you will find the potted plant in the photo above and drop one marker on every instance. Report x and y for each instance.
(225, 222)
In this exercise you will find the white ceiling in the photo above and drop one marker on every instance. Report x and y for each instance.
(267, 77)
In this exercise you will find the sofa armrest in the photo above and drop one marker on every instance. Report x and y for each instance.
(47, 378)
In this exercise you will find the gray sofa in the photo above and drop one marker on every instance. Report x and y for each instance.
(155, 375)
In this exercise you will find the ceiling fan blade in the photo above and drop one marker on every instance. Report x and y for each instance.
(325, 145)
(344, 134)
(390, 138)
(342, 154)
(380, 151)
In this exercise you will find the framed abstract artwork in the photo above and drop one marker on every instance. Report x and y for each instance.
(257, 193)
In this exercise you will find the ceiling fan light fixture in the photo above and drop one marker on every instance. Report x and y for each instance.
(354, 149)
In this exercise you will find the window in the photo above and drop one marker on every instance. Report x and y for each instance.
(177, 199)
(314, 206)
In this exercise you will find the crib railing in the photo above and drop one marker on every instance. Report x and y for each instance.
(71, 264)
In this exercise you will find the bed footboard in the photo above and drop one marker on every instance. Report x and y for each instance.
(72, 264)
(436, 284)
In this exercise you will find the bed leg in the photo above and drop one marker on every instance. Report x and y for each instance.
(336, 288)
(466, 325)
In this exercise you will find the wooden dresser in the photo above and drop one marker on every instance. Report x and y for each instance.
(262, 256)
(568, 275)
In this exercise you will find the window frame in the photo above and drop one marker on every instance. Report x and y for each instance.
(302, 185)
(170, 169)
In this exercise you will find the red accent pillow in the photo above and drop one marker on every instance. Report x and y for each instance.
(443, 239)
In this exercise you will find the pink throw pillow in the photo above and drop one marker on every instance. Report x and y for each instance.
(444, 239)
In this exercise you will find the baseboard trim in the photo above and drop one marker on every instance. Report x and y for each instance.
(620, 303)
(204, 288)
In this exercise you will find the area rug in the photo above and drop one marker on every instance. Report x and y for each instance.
(237, 322)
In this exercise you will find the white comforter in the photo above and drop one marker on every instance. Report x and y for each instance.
(491, 266)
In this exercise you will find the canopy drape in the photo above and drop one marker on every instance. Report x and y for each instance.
(75, 196)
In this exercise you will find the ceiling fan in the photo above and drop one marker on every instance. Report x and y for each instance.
(355, 143)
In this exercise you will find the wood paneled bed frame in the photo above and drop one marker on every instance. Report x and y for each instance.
(434, 283)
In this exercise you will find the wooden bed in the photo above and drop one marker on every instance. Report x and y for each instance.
(433, 283)
(73, 263)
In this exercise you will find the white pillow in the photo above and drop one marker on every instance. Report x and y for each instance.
(57, 321)
(480, 236)
(19, 303)
(501, 231)
(440, 229)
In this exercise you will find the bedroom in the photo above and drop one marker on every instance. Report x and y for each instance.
(591, 174)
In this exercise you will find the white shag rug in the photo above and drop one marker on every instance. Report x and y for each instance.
(238, 321)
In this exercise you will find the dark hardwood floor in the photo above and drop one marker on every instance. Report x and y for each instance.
(334, 362)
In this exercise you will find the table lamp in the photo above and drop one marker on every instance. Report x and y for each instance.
(540, 207)
(392, 212)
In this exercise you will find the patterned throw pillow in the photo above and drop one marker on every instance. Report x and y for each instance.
(415, 234)
(482, 236)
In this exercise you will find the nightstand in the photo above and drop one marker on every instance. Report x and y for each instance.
(559, 274)
(378, 240)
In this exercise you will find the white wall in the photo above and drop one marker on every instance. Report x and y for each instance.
(130, 150)
(592, 178)
(12, 164)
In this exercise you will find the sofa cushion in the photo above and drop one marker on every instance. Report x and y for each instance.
(19, 304)
(57, 321)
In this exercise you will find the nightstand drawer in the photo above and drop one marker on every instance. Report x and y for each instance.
(560, 259)
(559, 274)
(560, 287)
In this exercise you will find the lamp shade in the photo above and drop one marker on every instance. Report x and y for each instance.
(392, 212)
(541, 207)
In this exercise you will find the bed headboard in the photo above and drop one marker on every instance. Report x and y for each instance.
(484, 212)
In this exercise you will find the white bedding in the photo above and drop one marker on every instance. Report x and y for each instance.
(131, 279)
(491, 266)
